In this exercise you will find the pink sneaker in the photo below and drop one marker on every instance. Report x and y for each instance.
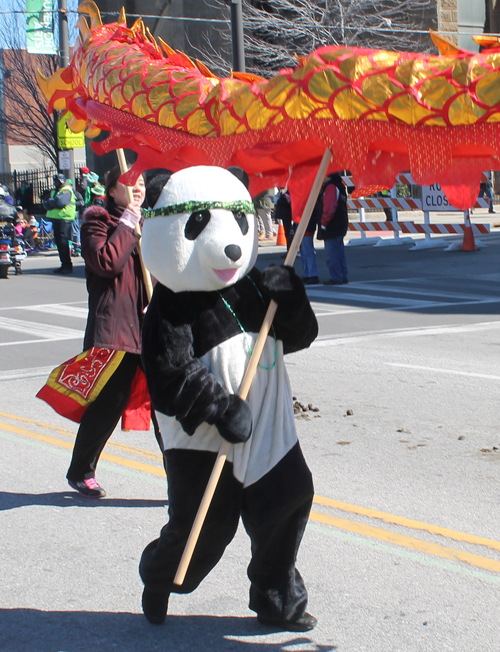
(88, 488)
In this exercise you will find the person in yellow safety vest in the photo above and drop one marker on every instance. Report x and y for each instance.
(61, 211)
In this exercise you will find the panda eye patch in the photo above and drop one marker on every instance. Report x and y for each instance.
(241, 221)
(196, 223)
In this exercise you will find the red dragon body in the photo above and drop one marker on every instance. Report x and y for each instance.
(379, 112)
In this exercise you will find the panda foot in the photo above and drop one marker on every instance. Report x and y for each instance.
(154, 606)
(302, 624)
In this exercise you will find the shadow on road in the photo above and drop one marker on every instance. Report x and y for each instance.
(81, 631)
(78, 271)
(10, 500)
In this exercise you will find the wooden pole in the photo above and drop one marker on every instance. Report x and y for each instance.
(130, 197)
(249, 375)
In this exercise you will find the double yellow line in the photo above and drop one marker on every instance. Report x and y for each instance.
(380, 534)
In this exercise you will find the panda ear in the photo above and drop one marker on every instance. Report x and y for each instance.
(196, 223)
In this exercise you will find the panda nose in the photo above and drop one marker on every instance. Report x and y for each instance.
(233, 252)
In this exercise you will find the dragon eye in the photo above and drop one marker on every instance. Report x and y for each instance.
(241, 221)
(196, 223)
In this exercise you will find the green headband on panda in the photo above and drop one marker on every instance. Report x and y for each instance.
(193, 206)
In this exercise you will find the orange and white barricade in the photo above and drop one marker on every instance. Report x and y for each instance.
(410, 204)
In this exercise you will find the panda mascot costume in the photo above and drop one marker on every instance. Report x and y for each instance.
(200, 243)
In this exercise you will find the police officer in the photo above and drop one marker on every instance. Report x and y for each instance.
(61, 211)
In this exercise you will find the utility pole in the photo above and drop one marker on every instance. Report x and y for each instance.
(237, 36)
(69, 170)
(4, 148)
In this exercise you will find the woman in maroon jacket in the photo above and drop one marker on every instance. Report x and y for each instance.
(117, 300)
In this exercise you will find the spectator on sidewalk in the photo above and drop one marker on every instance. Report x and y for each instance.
(284, 214)
(334, 224)
(307, 250)
(264, 206)
(486, 188)
(7, 211)
(61, 211)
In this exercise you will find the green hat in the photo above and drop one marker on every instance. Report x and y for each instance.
(98, 190)
(92, 177)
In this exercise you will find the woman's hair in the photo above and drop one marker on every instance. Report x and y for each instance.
(155, 180)
(111, 180)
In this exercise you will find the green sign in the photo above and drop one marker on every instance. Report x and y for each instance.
(40, 27)
(67, 139)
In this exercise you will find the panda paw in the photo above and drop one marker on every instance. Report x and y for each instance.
(235, 425)
(283, 285)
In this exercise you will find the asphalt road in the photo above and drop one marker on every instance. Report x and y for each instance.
(402, 552)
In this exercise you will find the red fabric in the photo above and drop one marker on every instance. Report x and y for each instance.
(374, 152)
(62, 404)
(74, 385)
(137, 414)
(330, 203)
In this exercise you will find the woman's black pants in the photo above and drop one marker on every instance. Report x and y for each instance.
(100, 419)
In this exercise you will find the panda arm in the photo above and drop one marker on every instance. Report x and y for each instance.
(106, 254)
(295, 322)
(179, 384)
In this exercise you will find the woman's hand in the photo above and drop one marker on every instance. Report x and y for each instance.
(131, 216)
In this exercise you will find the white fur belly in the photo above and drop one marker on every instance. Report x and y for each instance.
(270, 399)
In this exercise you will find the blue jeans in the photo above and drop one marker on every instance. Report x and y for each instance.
(308, 256)
(489, 193)
(335, 259)
(75, 231)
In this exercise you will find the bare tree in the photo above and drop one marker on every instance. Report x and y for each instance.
(25, 119)
(277, 30)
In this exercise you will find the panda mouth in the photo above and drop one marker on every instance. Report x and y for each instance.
(226, 275)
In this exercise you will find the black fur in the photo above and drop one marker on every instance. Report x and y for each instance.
(181, 327)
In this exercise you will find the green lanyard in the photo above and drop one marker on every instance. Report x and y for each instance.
(248, 347)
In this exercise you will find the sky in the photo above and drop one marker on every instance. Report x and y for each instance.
(13, 25)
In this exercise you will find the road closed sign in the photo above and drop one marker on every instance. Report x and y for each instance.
(434, 199)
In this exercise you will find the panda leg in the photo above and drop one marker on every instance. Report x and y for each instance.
(275, 513)
(188, 472)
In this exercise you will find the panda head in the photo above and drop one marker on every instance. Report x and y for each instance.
(201, 234)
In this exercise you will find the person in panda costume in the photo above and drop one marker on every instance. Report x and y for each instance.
(200, 243)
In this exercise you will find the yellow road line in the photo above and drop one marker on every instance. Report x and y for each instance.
(407, 542)
(117, 459)
(340, 523)
(35, 422)
(63, 431)
(408, 523)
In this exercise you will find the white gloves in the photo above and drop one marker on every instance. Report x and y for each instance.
(129, 218)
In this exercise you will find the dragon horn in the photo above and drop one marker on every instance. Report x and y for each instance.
(487, 41)
(167, 49)
(83, 26)
(138, 26)
(122, 18)
(205, 70)
(89, 7)
(152, 40)
(444, 45)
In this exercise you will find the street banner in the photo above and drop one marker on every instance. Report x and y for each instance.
(40, 27)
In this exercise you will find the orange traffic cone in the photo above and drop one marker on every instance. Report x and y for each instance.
(469, 244)
(281, 235)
